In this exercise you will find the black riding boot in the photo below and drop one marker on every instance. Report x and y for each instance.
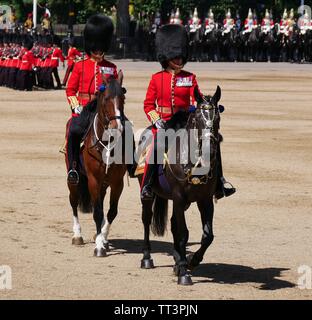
(222, 191)
(73, 150)
(146, 191)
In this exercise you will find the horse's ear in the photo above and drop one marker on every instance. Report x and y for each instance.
(120, 77)
(217, 96)
(197, 95)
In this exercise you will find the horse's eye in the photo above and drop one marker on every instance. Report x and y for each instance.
(124, 90)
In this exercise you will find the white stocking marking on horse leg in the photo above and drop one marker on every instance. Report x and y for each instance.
(105, 231)
(99, 242)
(77, 228)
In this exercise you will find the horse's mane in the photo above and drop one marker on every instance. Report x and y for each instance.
(115, 90)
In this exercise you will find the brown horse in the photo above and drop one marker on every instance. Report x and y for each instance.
(100, 174)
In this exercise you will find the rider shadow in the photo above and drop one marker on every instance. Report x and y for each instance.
(235, 274)
(135, 246)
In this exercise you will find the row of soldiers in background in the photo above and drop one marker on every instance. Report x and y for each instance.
(26, 62)
(233, 40)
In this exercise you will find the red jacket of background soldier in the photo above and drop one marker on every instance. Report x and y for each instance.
(55, 57)
(72, 55)
(86, 79)
(28, 61)
(168, 93)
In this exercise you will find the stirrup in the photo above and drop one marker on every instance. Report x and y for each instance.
(225, 192)
(73, 177)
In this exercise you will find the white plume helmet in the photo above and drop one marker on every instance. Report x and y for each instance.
(285, 14)
(267, 14)
(172, 14)
(292, 14)
(210, 14)
(228, 14)
(306, 15)
(195, 15)
(249, 14)
(177, 14)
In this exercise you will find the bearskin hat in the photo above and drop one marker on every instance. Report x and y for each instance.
(171, 42)
(98, 34)
(28, 42)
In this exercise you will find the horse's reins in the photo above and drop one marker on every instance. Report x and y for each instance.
(189, 174)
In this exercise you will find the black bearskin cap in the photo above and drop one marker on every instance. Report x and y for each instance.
(28, 43)
(98, 34)
(171, 42)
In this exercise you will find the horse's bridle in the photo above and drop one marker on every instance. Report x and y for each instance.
(190, 178)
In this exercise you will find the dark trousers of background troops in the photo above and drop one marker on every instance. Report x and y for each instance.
(16, 79)
(44, 78)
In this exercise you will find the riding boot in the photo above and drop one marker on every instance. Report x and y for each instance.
(146, 191)
(73, 148)
(222, 191)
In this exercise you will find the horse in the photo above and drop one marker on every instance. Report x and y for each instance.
(293, 44)
(228, 41)
(267, 41)
(97, 175)
(178, 182)
(211, 45)
(252, 45)
(195, 44)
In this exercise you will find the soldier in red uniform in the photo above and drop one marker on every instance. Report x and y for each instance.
(25, 75)
(170, 91)
(83, 85)
(56, 56)
(72, 56)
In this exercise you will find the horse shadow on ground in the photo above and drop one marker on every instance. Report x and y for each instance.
(237, 274)
(268, 278)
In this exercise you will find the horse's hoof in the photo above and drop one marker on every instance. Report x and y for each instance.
(185, 280)
(106, 246)
(78, 241)
(147, 264)
(99, 253)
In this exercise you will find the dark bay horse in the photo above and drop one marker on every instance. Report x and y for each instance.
(99, 175)
(184, 188)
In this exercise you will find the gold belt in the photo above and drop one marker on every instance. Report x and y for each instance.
(86, 96)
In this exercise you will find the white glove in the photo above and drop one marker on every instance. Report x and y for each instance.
(77, 110)
(160, 124)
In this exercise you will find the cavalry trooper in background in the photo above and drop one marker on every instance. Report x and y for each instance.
(46, 24)
(28, 25)
(228, 22)
(72, 57)
(267, 23)
(250, 23)
(283, 29)
(170, 91)
(210, 22)
(291, 21)
(194, 23)
(305, 23)
(176, 19)
(83, 86)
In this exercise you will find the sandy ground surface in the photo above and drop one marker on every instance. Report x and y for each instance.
(262, 234)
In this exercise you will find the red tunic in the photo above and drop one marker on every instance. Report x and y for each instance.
(55, 57)
(86, 79)
(168, 93)
(28, 61)
(72, 55)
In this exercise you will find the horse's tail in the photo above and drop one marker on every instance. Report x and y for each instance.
(160, 216)
(84, 195)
